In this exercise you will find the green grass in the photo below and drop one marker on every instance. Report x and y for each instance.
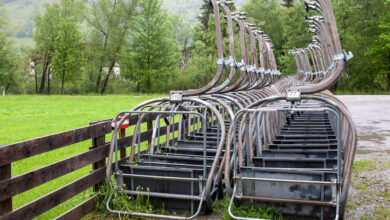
(27, 117)
(364, 165)
(123, 202)
(371, 194)
(249, 211)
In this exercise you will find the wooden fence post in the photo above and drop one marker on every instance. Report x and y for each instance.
(98, 142)
(6, 205)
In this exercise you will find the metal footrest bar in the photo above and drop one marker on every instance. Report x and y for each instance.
(163, 195)
(283, 200)
(159, 177)
(231, 204)
(154, 215)
(285, 181)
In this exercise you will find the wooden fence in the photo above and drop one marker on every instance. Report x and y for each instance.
(96, 155)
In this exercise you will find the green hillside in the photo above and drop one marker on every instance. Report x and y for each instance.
(21, 13)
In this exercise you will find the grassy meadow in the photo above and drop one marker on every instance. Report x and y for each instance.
(27, 117)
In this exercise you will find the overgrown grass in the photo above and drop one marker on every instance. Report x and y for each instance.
(123, 202)
(27, 117)
(364, 165)
(371, 194)
(251, 211)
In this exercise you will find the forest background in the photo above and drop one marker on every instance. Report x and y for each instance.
(153, 46)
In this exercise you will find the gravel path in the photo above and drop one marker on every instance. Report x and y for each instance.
(369, 194)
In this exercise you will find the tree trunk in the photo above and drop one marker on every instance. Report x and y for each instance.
(91, 72)
(43, 79)
(48, 81)
(98, 79)
(148, 86)
(36, 82)
(207, 68)
(7, 87)
(138, 84)
(63, 81)
(101, 64)
(107, 77)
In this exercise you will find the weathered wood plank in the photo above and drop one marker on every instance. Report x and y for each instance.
(56, 197)
(5, 174)
(79, 211)
(134, 118)
(99, 151)
(96, 143)
(24, 182)
(14, 152)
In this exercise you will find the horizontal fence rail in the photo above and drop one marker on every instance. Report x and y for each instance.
(96, 155)
(22, 150)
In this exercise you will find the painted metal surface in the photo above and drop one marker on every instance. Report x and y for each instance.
(285, 142)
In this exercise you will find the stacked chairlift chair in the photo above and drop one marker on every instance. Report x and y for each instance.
(288, 143)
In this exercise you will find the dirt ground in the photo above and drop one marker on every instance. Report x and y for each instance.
(369, 193)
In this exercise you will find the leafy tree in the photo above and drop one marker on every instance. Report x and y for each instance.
(154, 50)
(296, 35)
(201, 67)
(363, 27)
(205, 11)
(268, 16)
(148, 47)
(182, 32)
(67, 56)
(46, 32)
(380, 52)
(7, 56)
(288, 3)
(204, 51)
(7, 63)
(110, 21)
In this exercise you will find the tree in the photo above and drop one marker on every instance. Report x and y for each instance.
(288, 3)
(46, 31)
(154, 50)
(110, 21)
(205, 11)
(182, 32)
(268, 17)
(7, 63)
(7, 56)
(67, 56)
(380, 52)
(201, 67)
(296, 35)
(204, 47)
(363, 27)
